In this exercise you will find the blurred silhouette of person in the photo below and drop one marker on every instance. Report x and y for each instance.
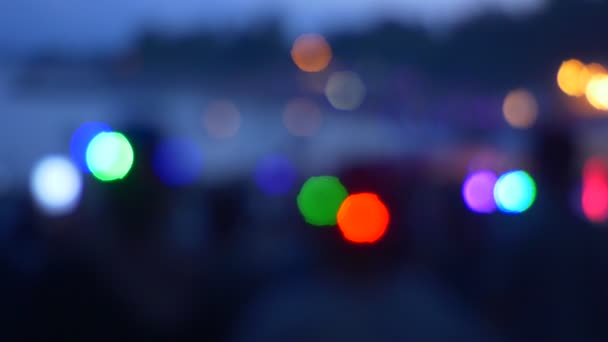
(227, 282)
(460, 259)
(558, 289)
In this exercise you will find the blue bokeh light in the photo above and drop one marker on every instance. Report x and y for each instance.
(178, 162)
(275, 175)
(81, 139)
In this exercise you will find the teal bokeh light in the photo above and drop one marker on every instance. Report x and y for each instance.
(514, 192)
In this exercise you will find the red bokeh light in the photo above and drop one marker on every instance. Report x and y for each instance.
(595, 191)
(363, 218)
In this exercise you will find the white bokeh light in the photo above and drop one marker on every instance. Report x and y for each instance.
(345, 90)
(56, 185)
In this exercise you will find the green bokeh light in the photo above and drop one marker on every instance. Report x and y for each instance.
(109, 156)
(320, 199)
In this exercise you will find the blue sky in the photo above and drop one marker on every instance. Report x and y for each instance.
(84, 24)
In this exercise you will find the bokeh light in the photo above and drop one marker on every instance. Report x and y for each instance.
(301, 117)
(320, 199)
(222, 119)
(595, 191)
(56, 185)
(571, 77)
(109, 156)
(178, 162)
(478, 191)
(311, 52)
(520, 109)
(363, 218)
(81, 139)
(345, 90)
(515, 192)
(275, 175)
(597, 91)
(593, 69)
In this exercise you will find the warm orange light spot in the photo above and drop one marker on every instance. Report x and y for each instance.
(571, 77)
(594, 69)
(222, 119)
(311, 52)
(363, 218)
(520, 109)
(597, 91)
(302, 117)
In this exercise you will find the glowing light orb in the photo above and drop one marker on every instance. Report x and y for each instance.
(515, 192)
(311, 52)
(571, 77)
(109, 156)
(597, 91)
(520, 109)
(56, 185)
(478, 191)
(275, 175)
(302, 117)
(222, 119)
(178, 162)
(345, 90)
(595, 191)
(363, 218)
(320, 199)
(81, 139)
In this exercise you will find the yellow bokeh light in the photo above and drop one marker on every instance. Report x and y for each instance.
(520, 109)
(311, 52)
(302, 117)
(222, 119)
(574, 76)
(597, 91)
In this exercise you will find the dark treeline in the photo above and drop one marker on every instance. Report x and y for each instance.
(495, 49)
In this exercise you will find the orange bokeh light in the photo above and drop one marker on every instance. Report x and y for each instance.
(302, 117)
(570, 77)
(573, 76)
(520, 109)
(311, 52)
(363, 218)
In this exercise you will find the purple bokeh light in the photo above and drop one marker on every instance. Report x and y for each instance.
(478, 191)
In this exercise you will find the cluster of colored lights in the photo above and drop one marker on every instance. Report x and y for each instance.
(575, 78)
(344, 90)
(56, 182)
(324, 201)
(513, 192)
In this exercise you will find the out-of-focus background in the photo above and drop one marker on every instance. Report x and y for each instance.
(304, 170)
